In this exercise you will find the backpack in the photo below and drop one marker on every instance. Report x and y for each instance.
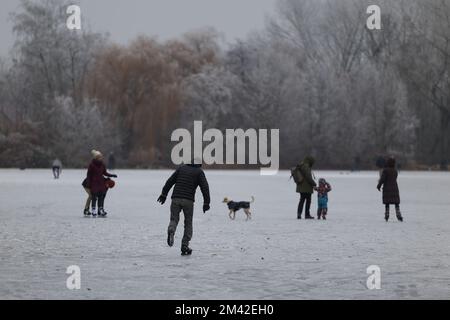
(296, 173)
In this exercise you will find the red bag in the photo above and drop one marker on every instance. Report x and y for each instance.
(110, 183)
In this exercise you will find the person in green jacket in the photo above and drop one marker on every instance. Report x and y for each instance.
(305, 186)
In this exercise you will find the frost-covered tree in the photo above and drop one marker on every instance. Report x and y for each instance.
(209, 96)
(335, 89)
(49, 62)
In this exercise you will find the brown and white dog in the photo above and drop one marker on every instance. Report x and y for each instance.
(236, 206)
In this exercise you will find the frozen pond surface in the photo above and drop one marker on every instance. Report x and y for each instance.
(274, 256)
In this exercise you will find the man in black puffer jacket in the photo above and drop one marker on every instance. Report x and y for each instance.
(186, 180)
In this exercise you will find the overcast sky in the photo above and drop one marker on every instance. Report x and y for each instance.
(125, 19)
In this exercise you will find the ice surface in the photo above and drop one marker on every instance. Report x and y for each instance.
(274, 256)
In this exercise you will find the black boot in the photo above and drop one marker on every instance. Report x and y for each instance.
(186, 251)
(170, 238)
(399, 215)
(102, 213)
(386, 213)
(309, 217)
(87, 213)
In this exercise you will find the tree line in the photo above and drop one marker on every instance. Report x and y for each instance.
(335, 89)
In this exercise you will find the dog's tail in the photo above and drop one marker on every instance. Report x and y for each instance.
(253, 199)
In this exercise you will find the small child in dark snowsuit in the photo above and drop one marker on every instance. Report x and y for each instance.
(322, 197)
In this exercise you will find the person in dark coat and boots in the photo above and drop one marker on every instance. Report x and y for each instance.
(186, 180)
(391, 193)
(95, 182)
(305, 186)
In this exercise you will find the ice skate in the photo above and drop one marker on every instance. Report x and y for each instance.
(170, 238)
(399, 217)
(87, 213)
(386, 216)
(186, 251)
(102, 213)
(309, 217)
(94, 213)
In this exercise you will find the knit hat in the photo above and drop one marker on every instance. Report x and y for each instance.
(96, 154)
(391, 163)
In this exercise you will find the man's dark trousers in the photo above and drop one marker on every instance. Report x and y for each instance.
(188, 210)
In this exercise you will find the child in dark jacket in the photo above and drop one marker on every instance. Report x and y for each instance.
(322, 197)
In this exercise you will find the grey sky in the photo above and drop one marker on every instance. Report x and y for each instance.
(125, 19)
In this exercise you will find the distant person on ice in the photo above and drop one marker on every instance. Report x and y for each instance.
(111, 161)
(305, 186)
(391, 193)
(96, 182)
(322, 198)
(56, 168)
(186, 180)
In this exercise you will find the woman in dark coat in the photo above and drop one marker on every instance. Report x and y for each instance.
(95, 182)
(391, 193)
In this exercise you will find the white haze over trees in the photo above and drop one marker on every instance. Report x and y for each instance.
(335, 89)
